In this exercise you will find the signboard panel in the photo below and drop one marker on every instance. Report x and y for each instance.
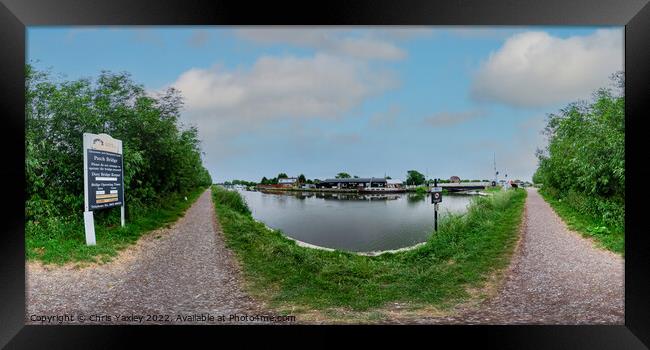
(104, 179)
(436, 197)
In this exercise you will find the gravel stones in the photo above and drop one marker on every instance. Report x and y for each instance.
(184, 270)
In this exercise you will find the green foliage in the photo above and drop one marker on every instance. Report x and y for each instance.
(160, 157)
(421, 190)
(343, 176)
(302, 179)
(584, 162)
(462, 254)
(271, 181)
(538, 177)
(241, 182)
(59, 240)
(414, 177)
(231, 199)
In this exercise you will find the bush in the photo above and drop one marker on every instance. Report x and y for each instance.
(584, 162)
(421, 190)
(231, 199)
(162, 160)
(160, 157)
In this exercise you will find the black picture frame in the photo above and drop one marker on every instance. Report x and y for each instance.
(15, 15)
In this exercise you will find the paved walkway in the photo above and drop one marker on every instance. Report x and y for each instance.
(184, 270)
(556, 277)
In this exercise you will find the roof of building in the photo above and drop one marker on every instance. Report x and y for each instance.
(356, 180)
(287, 180)
(394, 181)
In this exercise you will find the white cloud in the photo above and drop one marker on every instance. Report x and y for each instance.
(367, 48)
(332, 41)
(483, 32)
(226, 104)
(535, 69)
(277, 87)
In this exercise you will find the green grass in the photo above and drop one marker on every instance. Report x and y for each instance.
(462, 254)
(61, 241)
(604, 235)
(494, 189)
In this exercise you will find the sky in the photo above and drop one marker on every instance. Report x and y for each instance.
(369, 101)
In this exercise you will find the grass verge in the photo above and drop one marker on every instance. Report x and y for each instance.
(461, 255)
(61, 241)
(604, 235)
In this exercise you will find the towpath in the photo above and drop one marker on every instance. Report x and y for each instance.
(556, 277)
(171, 276)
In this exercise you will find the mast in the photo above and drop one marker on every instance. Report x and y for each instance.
(495, 167)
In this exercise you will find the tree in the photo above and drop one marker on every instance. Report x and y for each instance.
(388, 178)
(264, 181)
(302, 179)
(584, 160)
(160, 156)
(243, 182)
(343, 176)
(413, 177)
(282, 176)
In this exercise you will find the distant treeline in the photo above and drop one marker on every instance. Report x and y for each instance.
(161, 158)
(584, 162)
(413, 177)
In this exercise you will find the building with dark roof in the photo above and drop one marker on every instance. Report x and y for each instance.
(353, 183)
(288, 182)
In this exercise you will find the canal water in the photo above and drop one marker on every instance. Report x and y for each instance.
(352, 222)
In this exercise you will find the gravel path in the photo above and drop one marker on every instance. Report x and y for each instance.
(184, 271)
(556, 277)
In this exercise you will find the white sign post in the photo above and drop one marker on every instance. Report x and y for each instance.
(103, 178)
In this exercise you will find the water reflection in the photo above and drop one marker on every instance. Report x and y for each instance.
(351, 221)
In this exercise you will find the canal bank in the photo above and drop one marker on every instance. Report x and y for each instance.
(350, 221)
(441, 273)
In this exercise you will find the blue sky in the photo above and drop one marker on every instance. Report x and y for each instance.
(365, 100)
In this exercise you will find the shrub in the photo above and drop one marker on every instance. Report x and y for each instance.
(584, 162)
(160, 157)
(231, 199)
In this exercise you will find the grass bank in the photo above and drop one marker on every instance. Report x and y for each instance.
(606, 236)
(461, 255)
(61, 241)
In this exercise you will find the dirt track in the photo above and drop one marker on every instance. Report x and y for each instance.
(555, 277)
(183, 270)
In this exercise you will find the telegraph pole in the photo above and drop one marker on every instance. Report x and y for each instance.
(495, 169)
